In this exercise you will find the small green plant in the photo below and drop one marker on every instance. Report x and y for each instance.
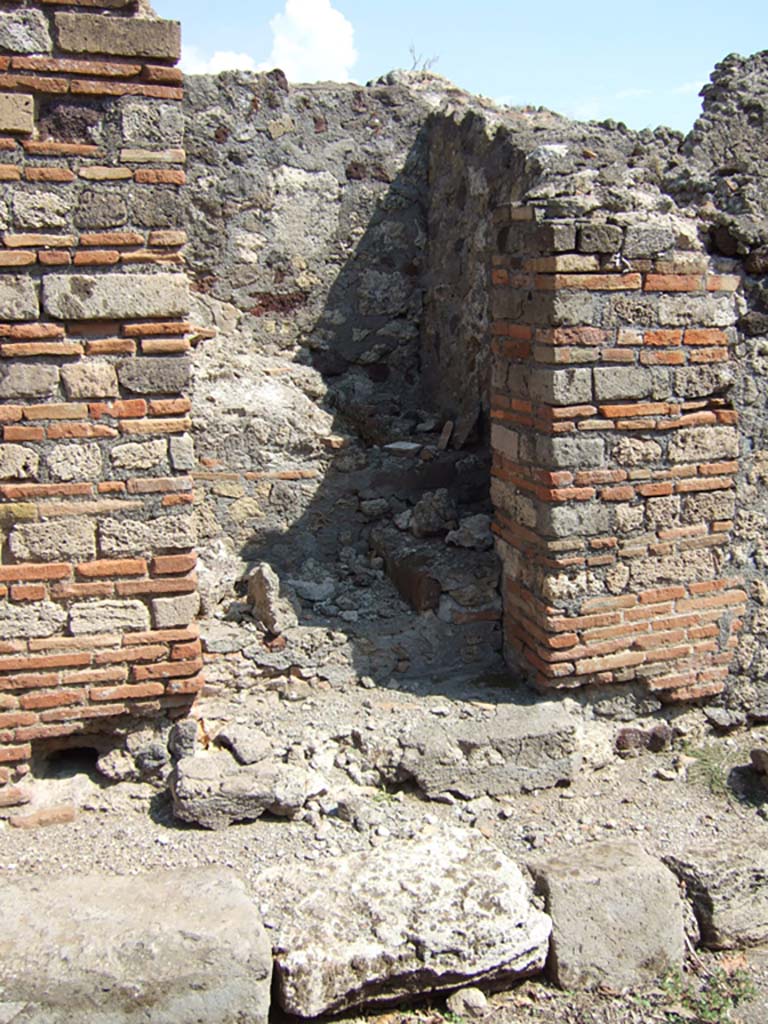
(707, 998)
(710, 767)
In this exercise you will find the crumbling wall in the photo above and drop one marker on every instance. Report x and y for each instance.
(97, 581)
(307, 213)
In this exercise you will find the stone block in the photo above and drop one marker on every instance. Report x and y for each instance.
(115, 296)
(152, 124)
(561, 387)
(182, 451)
(648, 241)
(17, 113)
(600, 238)
(152, 375)
(25, 32)
(18, 462)
(133, 456)
(617, 917)
(25, 380)
(704, 444)
(569, 452)
(108, 617)
(583, 518)
(33, 210)
(696, 311)
(704, 381)
(169, 612)
(170, 946)
(410, 917)
(18, 298)
(28, 621)
(90, 380)
(119, 37)
(132, 537)
(505, 441)
(619, 383)
(77, 461)
(727, 889)
(54, 541)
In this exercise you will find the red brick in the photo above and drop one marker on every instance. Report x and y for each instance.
(109, 567)
(617, 494)
(168, 565)
(97, 257)
(128, 692)
(52, 699)
(38, 663)
(708, 337)
(664, 338)
(166, 670)
(17, 753)
(166, 585)
(125, 655)
(163, 327)
(27, 571)
(146, 176)
(13, 719)
(28, 592)
(186, 652)
(126, 409)
(63, 175)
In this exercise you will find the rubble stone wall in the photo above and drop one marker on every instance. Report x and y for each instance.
(97, 562)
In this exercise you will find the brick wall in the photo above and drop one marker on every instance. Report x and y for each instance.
(97, 569)
(615, 452)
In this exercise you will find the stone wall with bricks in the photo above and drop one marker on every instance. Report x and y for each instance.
(97, 564)
(616, 448)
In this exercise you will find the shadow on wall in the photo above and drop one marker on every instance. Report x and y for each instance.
(322, 451)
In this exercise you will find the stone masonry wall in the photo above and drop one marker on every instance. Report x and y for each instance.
(97, 565)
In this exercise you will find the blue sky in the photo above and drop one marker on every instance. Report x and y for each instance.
(643, 64)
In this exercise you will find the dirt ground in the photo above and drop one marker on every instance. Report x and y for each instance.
(700, 791)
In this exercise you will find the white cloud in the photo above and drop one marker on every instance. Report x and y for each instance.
(193, 62)
(312, 41)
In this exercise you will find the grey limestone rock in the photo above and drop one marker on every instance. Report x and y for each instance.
(54, 540)
(249, 745)
(18, 462)
(215, 791)
(25, 32)
(170, 946)
(433, 514)
(520, 748)
(115, 296)
(729, 892)
(407, 918)
(107, 616)
(617, 916)
(274, 608)
(24, 621)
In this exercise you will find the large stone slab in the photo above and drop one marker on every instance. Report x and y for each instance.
(171, 947)
(409, 918)
(115, 296)
(728, 888)
(121, 37)
(520, 749)
(617, 916)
